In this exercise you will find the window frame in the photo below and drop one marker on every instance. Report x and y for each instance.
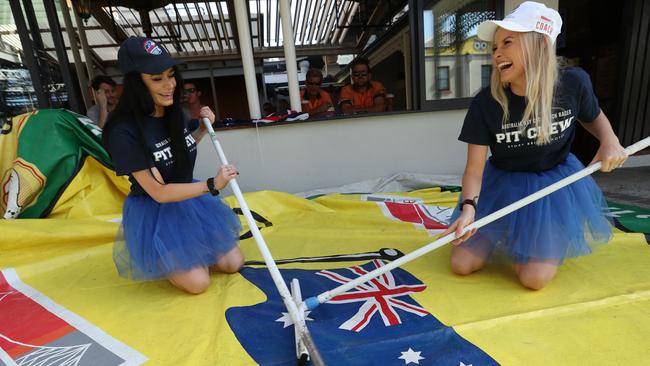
(420, 102)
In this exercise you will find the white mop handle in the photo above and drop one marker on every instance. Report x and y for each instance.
(261, 244)
(313, 302)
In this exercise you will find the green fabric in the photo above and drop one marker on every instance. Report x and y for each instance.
(56, 141)
(633, 218)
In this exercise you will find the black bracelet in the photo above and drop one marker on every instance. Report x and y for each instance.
(213, 190)
(472, 202)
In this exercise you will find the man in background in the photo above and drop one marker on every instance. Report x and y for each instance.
(192, 100)
(315, 101)
(192, 105)
(363, 95)
(105, 99)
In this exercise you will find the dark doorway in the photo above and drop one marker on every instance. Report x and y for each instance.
(592, 38)
(634, 88)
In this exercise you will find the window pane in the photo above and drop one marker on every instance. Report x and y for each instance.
(486, 71)
(443, 78)
(451, 44)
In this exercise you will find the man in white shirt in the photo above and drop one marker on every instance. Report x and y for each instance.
(105, 99)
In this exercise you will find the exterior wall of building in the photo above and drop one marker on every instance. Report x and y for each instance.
(475, 65)
(306, 156)
(470, 61)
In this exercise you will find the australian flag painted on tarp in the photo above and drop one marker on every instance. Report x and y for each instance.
(377, 323)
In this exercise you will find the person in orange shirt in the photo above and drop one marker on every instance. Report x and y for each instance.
(315, 101)
(364, 94)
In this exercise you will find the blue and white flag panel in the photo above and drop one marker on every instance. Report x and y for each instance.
(377, 323)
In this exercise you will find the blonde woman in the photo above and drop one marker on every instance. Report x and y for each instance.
(527, 118)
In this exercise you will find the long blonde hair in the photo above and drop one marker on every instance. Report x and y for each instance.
(541, 67)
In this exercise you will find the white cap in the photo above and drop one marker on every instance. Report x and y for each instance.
(528, 17)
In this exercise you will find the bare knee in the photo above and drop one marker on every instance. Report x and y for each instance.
(230, 262)
(232, 266)
(534, 278)
(461, 266)
(195, 281)
(465, 263)
(196, 287)
(533, 282)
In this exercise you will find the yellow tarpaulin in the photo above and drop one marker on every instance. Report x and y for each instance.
(60, 285)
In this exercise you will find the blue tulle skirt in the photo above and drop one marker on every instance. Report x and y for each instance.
(158, 239)
(567, 223)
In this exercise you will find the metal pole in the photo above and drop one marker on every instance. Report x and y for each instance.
(406, 53)
(28, 52)
(246, 49)
(290, 55)
(61, 54)
(33, 25)
(39, 48)
(214, 92)
(83, 83)
(84, 45)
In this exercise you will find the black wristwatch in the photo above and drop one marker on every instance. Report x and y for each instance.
(213, 190)
(472, 202)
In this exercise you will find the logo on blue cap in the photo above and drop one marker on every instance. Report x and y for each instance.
(151, 47)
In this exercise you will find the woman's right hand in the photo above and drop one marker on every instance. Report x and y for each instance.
(225, 175)
(466, 217)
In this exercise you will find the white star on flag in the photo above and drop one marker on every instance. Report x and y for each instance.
(287, 319)
(411, 356)
(463, 364)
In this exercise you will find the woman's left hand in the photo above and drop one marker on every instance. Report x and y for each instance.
(612, 155)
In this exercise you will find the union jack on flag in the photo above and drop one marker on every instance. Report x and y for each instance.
(379, 296)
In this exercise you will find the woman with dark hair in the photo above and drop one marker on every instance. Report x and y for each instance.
(171, 228)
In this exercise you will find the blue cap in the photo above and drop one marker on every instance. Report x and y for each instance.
(144, 56)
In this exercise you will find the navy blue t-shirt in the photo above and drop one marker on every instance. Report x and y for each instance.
(515, 149)
(130, 156)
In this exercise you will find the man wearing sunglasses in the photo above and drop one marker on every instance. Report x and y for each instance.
(191, 101)
(315, 101)
(363, 95)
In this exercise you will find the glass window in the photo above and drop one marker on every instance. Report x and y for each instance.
(486, 72)
(442, 78)
(451, 44)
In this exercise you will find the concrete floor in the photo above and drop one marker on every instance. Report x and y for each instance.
(626, 185)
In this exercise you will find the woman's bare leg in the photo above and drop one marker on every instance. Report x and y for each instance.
(537, 273)
(194, 281)
(230, 262)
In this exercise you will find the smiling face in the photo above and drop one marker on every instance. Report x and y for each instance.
(507, 59)
(161, 87)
